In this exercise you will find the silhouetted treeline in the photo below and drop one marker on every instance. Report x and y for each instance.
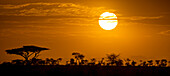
(31, 53)
(114, 60)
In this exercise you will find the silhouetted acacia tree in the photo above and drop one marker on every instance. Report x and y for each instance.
(79, 58)
(27, 51)
(112, 58)
(76, 55)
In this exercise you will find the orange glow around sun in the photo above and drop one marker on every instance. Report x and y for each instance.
(108, 21)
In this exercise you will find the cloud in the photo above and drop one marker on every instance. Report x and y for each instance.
(37, 4)
(13, 6)
(167, 33)
(133, 18)
(51, 9)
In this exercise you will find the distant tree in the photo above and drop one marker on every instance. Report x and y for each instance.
(53, 61)
(6, 63)
(145, 64)
(168, 63)
(150, 63)
(85, 62)
(72, 62)
(17, 62)
(81, 57)
(127, 62)
(101, 62)
(59, 60)
(67, 63)
(157, 62)
(112, 58)
(140, 63)
(93, 61)
(163, 63)
(48, 61)
(76, 55)
(41, 62)
(27, 51)
(133, 63)
(119, 62)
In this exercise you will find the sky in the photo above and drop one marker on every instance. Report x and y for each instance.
(66, 26)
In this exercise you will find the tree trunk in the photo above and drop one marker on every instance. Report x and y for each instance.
(27, 61)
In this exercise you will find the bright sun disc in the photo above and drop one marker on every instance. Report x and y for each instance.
(108, 21)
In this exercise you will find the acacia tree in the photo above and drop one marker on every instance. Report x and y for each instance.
(79, 58)
(27, 51)
(112, 58)
(76, 55)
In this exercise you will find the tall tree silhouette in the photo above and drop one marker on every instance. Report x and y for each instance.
(27, 51)
(79, 58)
(76, 55)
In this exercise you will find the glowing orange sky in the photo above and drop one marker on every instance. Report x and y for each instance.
(66, 26)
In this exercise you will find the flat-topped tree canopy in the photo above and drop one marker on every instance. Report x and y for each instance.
(34, 48)
(18, 51)
(27, 51)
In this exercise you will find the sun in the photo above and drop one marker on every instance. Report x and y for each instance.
(108, 21)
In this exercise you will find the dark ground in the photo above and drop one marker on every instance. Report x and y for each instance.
(62, 70)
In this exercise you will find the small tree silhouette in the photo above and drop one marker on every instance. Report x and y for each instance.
(145, 64)
(133, 63)
(112, 58)
(48, 61)
(27, 51)
(127, 62)
(59, 60)
(157, 62)
(18, 62)
(72, 62)
(119, 62)
(101, 62)
(150, 63)
(79, 58)
(93, 61)
(163, 63)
